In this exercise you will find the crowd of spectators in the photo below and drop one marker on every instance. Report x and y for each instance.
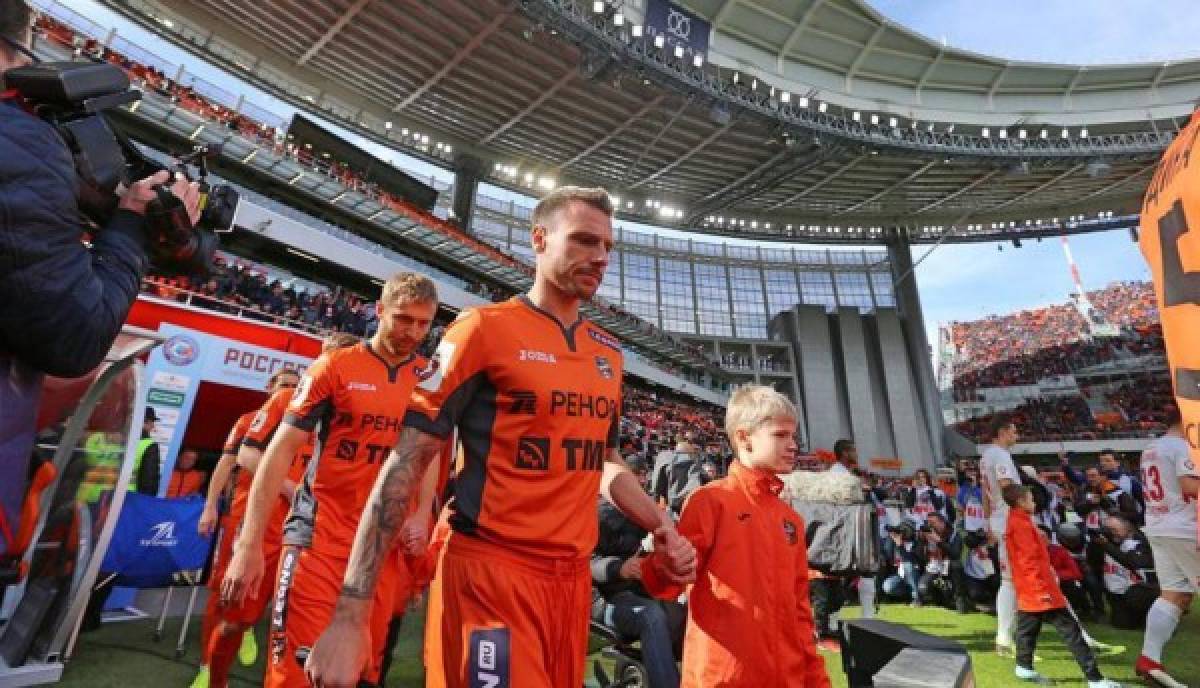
(1024, 347)
(251, 291)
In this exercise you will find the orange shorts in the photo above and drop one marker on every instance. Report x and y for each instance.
(305, 596)
(506, 620)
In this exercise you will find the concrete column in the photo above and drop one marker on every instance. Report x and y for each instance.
(822, 392)
(904, 403)
(468, 170)
(858, 383)
(908, 302)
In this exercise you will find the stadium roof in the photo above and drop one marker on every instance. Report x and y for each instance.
(785, 131)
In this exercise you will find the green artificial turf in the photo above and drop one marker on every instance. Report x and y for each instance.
(121, 655)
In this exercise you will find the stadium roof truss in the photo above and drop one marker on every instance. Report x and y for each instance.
(158, 111)
(813, 120)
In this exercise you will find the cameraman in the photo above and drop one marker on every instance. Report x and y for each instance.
(942, 582)
(61, 304)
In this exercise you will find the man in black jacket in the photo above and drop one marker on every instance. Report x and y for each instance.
(61, 303)
(624, 604)
(942, 549)
(1128, 564)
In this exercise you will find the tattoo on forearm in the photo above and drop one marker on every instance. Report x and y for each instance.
(386, 510)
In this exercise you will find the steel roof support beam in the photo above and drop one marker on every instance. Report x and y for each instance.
(547, 94)
(1038, 189)
(996, 85)
(686, 156)
(597, 145)
(797, 31)
(862, 55)
(1120, 182)
(937, 59)
(955, 194)
(836, 173)
(876, 196)
(456, 59)
(723, 14)
(333, 31)
(661, 132)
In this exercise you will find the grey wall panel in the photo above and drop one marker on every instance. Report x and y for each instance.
(826, 422)
(858, 383)
(904, 403)
(885, 435)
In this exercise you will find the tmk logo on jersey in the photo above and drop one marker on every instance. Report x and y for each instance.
(604, 367)
(360, 387)
(536, 356)
(533, 453)
(163, 535)
(260, 419)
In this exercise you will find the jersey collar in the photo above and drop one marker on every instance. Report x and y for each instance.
(393, 370)
(756, 481)
(567, 332)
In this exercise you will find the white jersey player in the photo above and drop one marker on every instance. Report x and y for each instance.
(1169, 482)
(997, 470)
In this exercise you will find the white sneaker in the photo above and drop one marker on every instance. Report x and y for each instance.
(1031, 676)
(1104, 683)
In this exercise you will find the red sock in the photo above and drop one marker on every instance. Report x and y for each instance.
(208, 625)
(226, 639)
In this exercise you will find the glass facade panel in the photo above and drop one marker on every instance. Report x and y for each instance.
(610, 288)
(816, 288)
(748, 308)
(852, 290)
(781, 291)
(641, 286)
(884, 294)
(712, 294)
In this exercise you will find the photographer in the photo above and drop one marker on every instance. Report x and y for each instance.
(942, 582)
(61, 303)
(1128, 564)
(901, 552)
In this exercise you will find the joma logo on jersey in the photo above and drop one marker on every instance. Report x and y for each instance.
(536, 356)
(162, 535)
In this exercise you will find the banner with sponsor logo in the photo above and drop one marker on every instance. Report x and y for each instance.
(187, 358)
(155, 539)
(679, 27)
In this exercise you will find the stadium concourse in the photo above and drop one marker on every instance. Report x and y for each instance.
(824, 141)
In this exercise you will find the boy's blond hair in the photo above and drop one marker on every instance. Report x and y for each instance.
(753, 405)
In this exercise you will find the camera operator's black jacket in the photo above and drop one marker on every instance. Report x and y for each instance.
(61, 305)
(619, 539)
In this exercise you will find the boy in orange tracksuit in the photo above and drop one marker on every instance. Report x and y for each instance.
(749, 620)
(1038, 596)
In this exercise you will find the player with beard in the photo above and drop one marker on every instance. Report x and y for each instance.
(354, 400)
(534, 391)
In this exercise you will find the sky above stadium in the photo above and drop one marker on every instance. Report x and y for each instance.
(956, 282)
(1070, 31)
